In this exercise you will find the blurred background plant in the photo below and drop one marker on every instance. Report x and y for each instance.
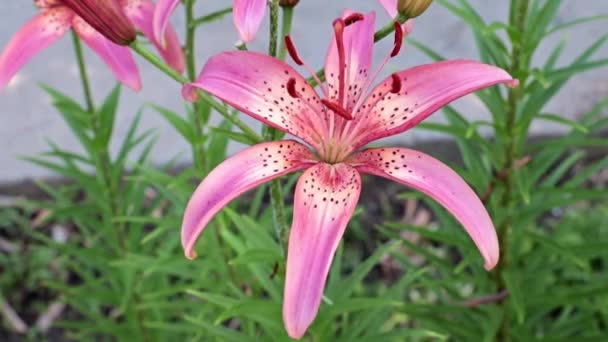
(99, 257)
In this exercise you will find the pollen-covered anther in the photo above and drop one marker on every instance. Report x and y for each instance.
(396, 84)
(291, 49)
(353, 18)
(336, 108)
(398, 39)
(291, 88)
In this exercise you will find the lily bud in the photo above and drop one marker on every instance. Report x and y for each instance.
(106, 17)
(412, 8)
(288, 3)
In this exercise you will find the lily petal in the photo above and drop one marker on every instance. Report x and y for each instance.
(141, 12)
(257, 85)
(358, 47)
(118, 58)
(325, 199)
(162, 14)
(424, 89)
(390, 6)
(247, 16)
(37, 34)
(430, 176)
(237, 174)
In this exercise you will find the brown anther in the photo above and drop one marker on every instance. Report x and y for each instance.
(291, 49)
(398, 39)
(291, 88)
(336, 108)
(353, 18)
(396, 85)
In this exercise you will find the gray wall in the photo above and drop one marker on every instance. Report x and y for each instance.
(27, 119)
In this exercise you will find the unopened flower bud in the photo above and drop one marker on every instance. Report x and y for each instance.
(288, 3)
(413, 8)
(106, 17)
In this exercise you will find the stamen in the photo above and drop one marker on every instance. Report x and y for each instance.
(398, 39)
(396, 85)
(292, 50)
(397, 46)
(336, 108)
(353, 18)
(339, 33)
(291, 88)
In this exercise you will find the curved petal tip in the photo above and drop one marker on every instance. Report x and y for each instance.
(189, 92)
(514, 83)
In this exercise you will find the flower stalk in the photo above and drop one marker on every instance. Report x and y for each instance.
(276, 191)
(84, 77)
(198, 149)
(507, 178)
(103, 156)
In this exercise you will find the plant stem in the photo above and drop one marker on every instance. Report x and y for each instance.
(104, 163)
(84, 78)
(274, 28)
(285, 30)
(198, 148)
(157, 62)
(510, 156)
(276, 191)
(203, 96)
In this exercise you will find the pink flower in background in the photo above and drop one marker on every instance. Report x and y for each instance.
(58, 16)
(246, 14)
(348, 115)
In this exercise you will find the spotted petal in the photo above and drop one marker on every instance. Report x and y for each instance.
(162, 14)
(256, 84)
(428, 175)
(141, 13)
(424, 90)
(325, 199)
(239, 173)
(358, 47)
(118, 58)
(37, 34)
(247, 16)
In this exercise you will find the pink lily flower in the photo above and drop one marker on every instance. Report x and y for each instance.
(348, 115)
(246, 14)
(56, 18)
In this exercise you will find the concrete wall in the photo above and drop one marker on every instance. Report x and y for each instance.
(27, 119)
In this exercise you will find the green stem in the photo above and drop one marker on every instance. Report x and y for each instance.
(198, 148)
(378, 36)
(274, 28)
(276, 192)
(157, 62)
(211, 16)
(507, 178)
(104, 163)
(203, 96)
(84, 78)
(285, 30)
